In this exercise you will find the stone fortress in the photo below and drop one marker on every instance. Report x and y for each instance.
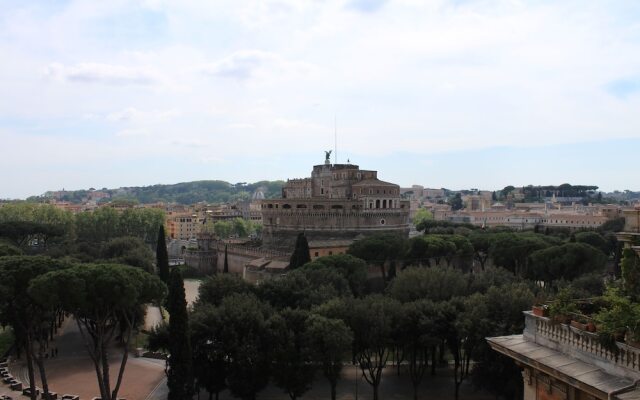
(339, 202)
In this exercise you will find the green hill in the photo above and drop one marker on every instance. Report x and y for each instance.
(181, 193)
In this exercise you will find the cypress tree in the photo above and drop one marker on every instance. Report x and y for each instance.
(180, 371)
(225, 270)
(300, 254)
(162, 258)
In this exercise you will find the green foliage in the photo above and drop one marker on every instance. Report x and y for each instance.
(567, 261)
(436, 284)
(6, 340)
(243, 323)
(210, 362)
(620, 314)
(293, 370)
(456, 202)
(105, 300)
(7, 249)
(186, 192)
(222, 229)
(630, 266)
(130, 251)
(330, 340)
(373, 321)
(353, 269)
(613, 225)
(300, 255)
(433, 226)
(511, 250)
(158, 339)
(421, 215)
(162, 257)
(105, 223)
(304, 288)
(594, 239)
(564, 305)
(215, 288)
(180, 363)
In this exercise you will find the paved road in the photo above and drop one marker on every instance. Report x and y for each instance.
(73, 372)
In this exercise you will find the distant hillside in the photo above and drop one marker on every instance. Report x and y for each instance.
(181, 193)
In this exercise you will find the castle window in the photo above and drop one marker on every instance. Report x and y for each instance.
(321, 191)
(330, 253)
(377, 203)
(301, 206)
(384, 203)
(382, 222)
(286, 206)
(316, 254)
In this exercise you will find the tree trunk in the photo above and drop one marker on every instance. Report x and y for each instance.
(433, 360)
(43, 376)
(125, 357)
(333, 390)
(32, 377)
(106, 380)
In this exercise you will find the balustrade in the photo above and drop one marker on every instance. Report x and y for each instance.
(564, 335)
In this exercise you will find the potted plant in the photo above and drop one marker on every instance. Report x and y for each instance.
(563, 307)
(618, 319)
(540, 310)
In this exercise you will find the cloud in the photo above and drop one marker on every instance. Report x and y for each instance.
(366, 6)
(246, 64)
(133, 115)
(103, 73)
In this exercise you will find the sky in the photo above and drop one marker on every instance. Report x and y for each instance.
(458, 94)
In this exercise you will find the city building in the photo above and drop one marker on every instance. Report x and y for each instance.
(338, 202)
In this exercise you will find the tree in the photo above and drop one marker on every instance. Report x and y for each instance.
(373, 320)
(215, 288)
(481, 242)
(436, 284)
(105, 300)
(353, 269)
(417, 334)
(379, 250)
(630, 267)
(31, 320)
(594, 239)
(244, 332)
(222, 229)
(162, 258)
(567, 261)
(128, 250)
(511, 250)
(180, 372)
(210, 361)
(7, 249)
(330, 340)
(225, 269)
(421, 215)
(456, 202)
(300, 254)
(293, 369)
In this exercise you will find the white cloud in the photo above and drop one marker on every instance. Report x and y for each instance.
(134, 115)
(246, 64)
(103, 73)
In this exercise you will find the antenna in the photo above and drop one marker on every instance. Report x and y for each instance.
(335, 138)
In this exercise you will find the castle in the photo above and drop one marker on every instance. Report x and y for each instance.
(339, 202)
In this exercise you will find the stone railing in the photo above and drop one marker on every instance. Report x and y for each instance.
(582, 345)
